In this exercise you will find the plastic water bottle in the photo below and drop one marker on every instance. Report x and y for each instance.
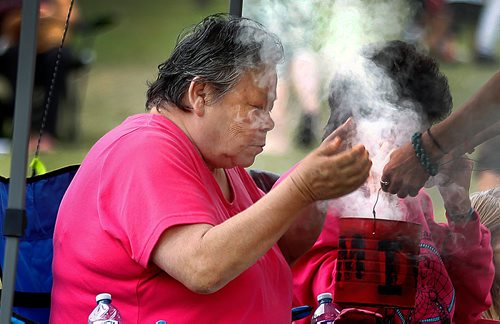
(327, 311)
(104, 312)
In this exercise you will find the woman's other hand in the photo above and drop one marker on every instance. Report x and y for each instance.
(403, 174)
(344, 131)
(331, 170)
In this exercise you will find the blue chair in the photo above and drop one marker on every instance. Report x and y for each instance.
(34, 269)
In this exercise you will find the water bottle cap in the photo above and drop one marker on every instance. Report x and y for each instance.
(102, 296)
(324, 295)
(161, 322)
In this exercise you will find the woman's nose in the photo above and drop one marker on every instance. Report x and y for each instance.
(267, 122)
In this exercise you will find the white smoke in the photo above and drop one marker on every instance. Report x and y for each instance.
(337, 31)
(380, 126)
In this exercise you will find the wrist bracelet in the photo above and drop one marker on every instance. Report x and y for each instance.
(416, 141)
(435, 141)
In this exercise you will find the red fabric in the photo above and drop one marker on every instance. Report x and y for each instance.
(140, 179)
(455, 267)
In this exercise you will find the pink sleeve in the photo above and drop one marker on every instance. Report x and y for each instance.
(468, 257)
(154, 185)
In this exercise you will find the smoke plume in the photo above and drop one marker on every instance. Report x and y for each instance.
(337, 31)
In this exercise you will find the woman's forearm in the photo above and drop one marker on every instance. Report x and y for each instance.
(205, 258)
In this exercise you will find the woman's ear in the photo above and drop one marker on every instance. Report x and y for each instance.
(197, 95)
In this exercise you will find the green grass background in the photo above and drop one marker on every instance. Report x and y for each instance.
(126, 57)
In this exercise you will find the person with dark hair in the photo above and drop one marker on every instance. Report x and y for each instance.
(415, 78)
(162, 213)
(410, 88)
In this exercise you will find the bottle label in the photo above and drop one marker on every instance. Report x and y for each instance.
(109, 321)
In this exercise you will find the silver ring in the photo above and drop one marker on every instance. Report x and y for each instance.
(384, 183)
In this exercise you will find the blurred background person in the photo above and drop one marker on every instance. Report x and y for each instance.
(457, 30)
(487, 33)
(297, 110)
(474, 24)
(306, 81)
(52, 18)
(434, 19)
(463, 20)
(487, 204)
(299, 85)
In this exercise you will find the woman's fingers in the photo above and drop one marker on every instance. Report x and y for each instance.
(329, 172)
(350, 158)
(351, 169)
(342, 131)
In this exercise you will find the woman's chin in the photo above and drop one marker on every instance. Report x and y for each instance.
(247, 162)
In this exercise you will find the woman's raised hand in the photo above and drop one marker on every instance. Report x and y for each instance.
(332, 170)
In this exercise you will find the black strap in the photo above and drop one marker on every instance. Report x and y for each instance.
(31, 299)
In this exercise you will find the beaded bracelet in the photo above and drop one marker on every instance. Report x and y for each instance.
(416, 141)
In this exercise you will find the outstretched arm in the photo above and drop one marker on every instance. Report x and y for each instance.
(475, 122)
(205, 258)
(465, 126)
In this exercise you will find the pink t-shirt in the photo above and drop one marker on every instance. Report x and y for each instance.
(455, 267)
(140, 179)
